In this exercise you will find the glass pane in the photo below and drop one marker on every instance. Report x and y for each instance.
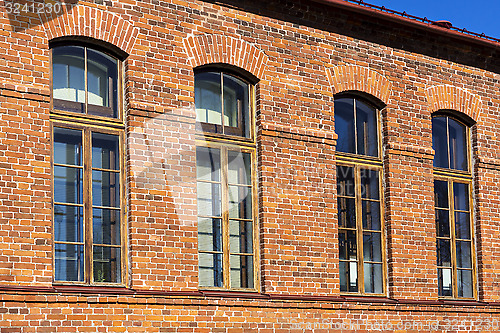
(443, 252)
(441, 193)
(68, 223)
(236, 110)
(462, 225)
(105, 188)
(464, 259)
(67, 146)
(208, 164)
(348, 276)
(439, 142)
(465, 284)
(106, 226)
(209, 234)
(239, 168)
(207, 97)
(458, 145)
(344, 125)
(102, 80)
(444, 282)
(442, 223)
(369, 184)
(107, 264)
(344, 275)
(461, 196)
(68, 77)
(373, 278)
(240, 237)
(69, 262)
(209, 199)
(240, 202)
(366, 125)
(347, 212)
(68, 185)
(105, 152)
(210, 269)
(371, 215)
(347, 245)
(241, 271)
(345, 181)
(372, 246)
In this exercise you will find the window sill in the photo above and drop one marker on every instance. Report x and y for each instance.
(124, 291)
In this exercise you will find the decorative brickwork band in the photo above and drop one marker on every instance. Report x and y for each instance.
(351, 77)
(453, 98)
(91, 22)
(210, 49)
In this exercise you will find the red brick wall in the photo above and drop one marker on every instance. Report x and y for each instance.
(302, 53)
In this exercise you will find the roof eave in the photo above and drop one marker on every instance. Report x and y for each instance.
(409, 22)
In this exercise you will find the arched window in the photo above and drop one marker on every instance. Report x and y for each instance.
(222, 103)
(225, 159)
(359, 196)
(453, 207)
(85, 80)
(88, 187)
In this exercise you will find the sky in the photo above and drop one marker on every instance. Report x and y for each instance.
(481, 16)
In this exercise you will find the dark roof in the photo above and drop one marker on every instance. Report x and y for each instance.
(440, 27)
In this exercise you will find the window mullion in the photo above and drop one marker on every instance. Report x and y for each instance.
(448, 141)
(85, 75)
(452, 236)
(472, 239)
(222, 103)
(359, 228)
(87, 204)
(225, 220)
(355, 127)
(123, 231)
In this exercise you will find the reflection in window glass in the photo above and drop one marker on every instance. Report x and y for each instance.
(107, 264)
(208, 101)
(69, 262)
(68, 73)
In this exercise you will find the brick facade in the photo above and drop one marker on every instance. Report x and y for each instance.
(300, 54)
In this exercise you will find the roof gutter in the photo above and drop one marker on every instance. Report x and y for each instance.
(409, 22)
